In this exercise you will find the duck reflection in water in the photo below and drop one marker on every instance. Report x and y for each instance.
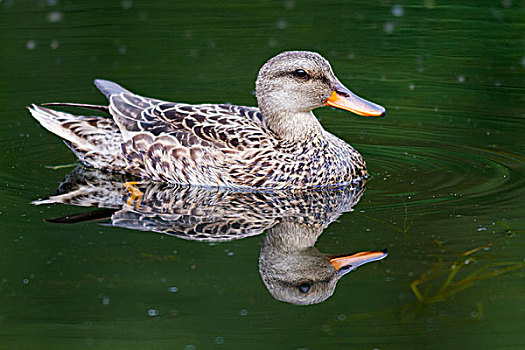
(291, 267)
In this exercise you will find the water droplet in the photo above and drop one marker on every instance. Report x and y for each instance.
(398, 10)
(153, 312)
(31, 45)
(243, 312)
(105, 300)
(25, 281)
(219, 340)
(411, 86)
(173, 289)
(54, 17)
(461, 78)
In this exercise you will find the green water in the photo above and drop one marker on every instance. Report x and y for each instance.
(445, 197)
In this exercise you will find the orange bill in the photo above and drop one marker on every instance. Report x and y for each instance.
(345, 99)
(347, 263)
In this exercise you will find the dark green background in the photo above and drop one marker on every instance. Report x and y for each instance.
(447, 165)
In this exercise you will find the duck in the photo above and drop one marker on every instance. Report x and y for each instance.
(278, 145)
(292, 269)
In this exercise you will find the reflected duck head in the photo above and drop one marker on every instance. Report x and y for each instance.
(296, 272)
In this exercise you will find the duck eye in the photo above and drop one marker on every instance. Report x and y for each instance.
(300, 73)
(304, 287)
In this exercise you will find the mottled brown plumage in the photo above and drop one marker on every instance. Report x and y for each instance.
(278, 146)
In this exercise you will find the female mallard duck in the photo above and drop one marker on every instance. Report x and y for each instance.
(279, 145)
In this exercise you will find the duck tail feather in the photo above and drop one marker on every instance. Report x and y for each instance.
(109, 88)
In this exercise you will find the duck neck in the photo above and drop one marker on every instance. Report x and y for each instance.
(294, 126)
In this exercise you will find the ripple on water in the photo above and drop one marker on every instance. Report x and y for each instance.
(436, 173)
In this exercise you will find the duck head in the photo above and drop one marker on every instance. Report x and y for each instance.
(292, 84)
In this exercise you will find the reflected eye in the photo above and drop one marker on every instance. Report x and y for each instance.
(304, 287)
(300, 73)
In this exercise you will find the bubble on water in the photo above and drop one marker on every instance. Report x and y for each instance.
(54, 44)
(341, 317)
(54, 17)
(105, 300)
(482, 229)
(461, 78)
(243, 312)
(153, 312)
(122, 49)
(25, 281)
(398, 10)
(173, 289)
(411, 86)
(219, 340)
(31, 45)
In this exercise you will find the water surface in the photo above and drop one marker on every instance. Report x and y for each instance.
(445, 197)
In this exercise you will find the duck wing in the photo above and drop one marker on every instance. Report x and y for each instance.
(224, 126)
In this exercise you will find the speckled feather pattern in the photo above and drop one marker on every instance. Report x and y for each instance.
(207, 145)
(214, 145)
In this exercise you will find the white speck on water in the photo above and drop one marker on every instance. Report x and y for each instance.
(482, 229)
(219, 340)
(31, 45)
(243, 312)
(436, 109)
(230, 254)
(461, 78)
(53, 44)
(281, 24)
(163, 279)
(105, 300)
(25, 281)
(411, 86)
(398, 10)
(126, 4)
(153, 312)
(487, 132)
(389, 27)
(54, 16)
(173, 289)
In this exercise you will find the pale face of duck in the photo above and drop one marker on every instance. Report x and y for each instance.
(296, 82)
